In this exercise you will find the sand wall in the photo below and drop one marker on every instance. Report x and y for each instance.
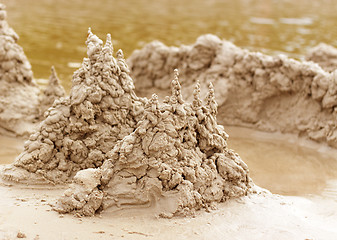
(252, 89)
(324, 55)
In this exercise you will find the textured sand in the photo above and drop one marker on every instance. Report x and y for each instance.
(270, 93)
(263, 216)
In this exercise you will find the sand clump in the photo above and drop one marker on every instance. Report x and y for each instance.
(129, 151)
(253, 90)
(325, 55)
(19, 92)
(79, 130)
(22, 104)
(52, 92)
(177, 153)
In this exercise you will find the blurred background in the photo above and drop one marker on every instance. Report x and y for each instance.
(53, 32)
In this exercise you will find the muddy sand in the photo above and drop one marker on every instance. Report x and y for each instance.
(119, 150)
(263, 216)
(22, 102)
(269, 93)
(165, 160)
(26, 209)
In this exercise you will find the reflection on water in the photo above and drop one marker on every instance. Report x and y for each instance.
(10, 148)
(275, 163)
(286, 165)
(53, 31)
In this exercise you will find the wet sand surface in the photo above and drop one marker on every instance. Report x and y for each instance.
(303, 171)
(264, 216)
(286, 164)
(282, 163)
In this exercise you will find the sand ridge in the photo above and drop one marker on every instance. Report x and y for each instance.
(324, 55)
(253, 90)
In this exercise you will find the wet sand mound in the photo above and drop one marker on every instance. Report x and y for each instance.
(253, 89)
(325, 55)
(177, 153)
(134, 151)
(19, 92)
(52, 92)
(22, 104)
(81, 129)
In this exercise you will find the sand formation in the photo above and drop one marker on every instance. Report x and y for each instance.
(52, 92)
(130, 150)
(325, 55)
(22, 104)
(253, 89)
(80, 129)
(19, 92)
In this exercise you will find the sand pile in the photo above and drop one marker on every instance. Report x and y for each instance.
(81, 129)
(253, 89)
(19, 93)
(134, 151)
(52, 92)
(22, 104)
(177, 153)
(325, 55)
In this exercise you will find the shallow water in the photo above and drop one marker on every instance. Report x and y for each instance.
(286, 164)
(10, 148)
(53, 32)
(282, 164)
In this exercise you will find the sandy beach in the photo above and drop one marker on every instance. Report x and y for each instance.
(310, 214)
(262, 216)
(218, 121)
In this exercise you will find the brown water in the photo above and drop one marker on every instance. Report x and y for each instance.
(10, 148)
(53, 32)
(285, 164)
(280, 163)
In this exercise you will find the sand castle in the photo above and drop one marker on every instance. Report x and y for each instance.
(125, 150)
(253, 89)
(80, 129)
(19, 92)
(22, 104)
